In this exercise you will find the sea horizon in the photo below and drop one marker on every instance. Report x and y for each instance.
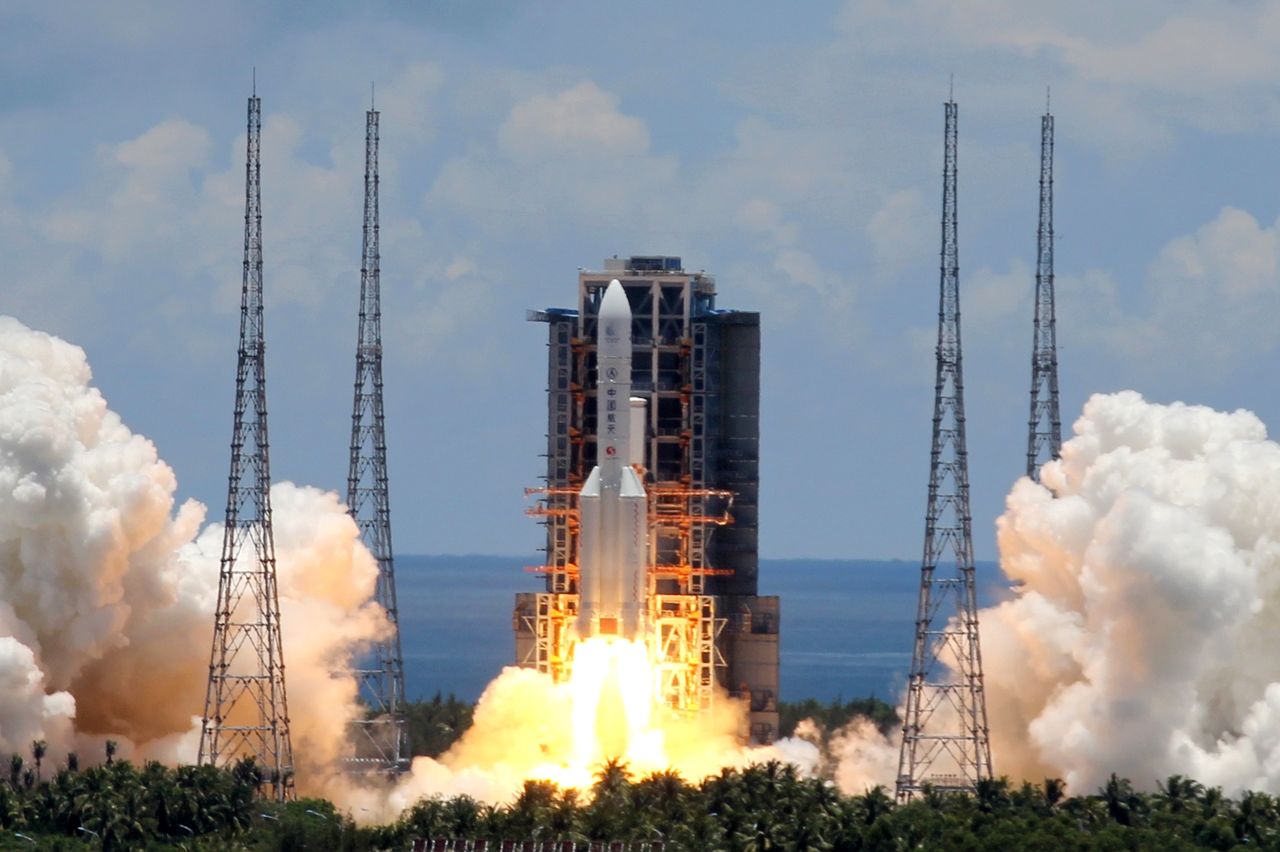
(846, 626)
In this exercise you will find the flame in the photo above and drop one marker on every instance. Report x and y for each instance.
(611, 691)
(530, 728)
(613, 715)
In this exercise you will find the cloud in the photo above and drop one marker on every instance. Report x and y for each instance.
(583, 121)
(991, 299)
(1208, 297)
(898, 230)
(142, 195)
(568, 155)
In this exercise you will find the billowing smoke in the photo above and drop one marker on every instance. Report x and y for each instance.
(106, 600)
(107, 592)
(1142, 639)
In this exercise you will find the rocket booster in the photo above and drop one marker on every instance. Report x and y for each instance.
(613, 538)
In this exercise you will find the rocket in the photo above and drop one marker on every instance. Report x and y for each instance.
(613, 538)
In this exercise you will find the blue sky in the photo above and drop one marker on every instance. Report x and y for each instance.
(792, 150)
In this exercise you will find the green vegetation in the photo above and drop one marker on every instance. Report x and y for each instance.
(769, 807)
(834, 716)
(436, 724)
(118, 806)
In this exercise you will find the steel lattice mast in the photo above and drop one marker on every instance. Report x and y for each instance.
(246, 711)
(944, 732)
(383, 742)
(1044, 428)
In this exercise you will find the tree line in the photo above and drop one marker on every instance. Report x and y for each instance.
(116, 805)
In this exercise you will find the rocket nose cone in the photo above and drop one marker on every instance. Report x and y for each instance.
(615, 304)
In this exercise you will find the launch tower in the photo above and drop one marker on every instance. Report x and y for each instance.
(698, 367)
(246, 711)
(1044, 428)
(944, 729)
(381, 743)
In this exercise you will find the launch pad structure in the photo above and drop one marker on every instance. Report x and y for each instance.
(698, 367)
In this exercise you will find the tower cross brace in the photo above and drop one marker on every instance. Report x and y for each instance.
(944, 732)
(1044, 427)
(381, 743)
(246, 712)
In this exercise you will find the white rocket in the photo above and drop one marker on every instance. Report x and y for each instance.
(613, 539)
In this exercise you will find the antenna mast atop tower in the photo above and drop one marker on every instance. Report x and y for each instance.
(944, 730)
(383, 744)
(1044, 429)
(246, 711)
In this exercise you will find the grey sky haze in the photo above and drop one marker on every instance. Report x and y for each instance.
(794, 150)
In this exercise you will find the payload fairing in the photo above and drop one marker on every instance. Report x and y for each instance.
(613, 557)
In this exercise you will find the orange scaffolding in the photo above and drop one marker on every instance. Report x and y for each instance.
(683, 621)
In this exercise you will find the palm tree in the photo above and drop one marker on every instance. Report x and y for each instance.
(1178, 793)
(38, 749)
(1255, 812)
(874, 804)
(15, 770)
(111, 747)
(73, 762)
(1121, 800)
(992, 794)
(1053, 790)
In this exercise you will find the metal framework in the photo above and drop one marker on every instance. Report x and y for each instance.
(1044, 428)
(381, 743)
(246, 710)
(944, 734)
(671, 369)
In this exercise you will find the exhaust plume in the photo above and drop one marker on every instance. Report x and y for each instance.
(1141, 639)
(107, 591)
(1141, 635)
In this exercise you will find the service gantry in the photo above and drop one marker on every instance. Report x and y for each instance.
(944, 729)
(1044, 428)
(698, 367)
(380, 741)
(246, 710)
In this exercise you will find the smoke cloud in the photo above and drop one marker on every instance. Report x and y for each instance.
(1141, 635)
(107, 589)
(1141, 639)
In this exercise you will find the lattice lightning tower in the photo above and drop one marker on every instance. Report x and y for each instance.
(383, 742)
(1044, 429)
(944, 731)
(246, 711)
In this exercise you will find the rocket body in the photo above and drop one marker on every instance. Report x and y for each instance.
(613, 538)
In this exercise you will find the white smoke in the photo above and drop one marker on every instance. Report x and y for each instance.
(107, 592)
(1142, 639)
(1142, 632)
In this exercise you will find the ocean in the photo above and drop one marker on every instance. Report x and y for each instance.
(846, 627)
